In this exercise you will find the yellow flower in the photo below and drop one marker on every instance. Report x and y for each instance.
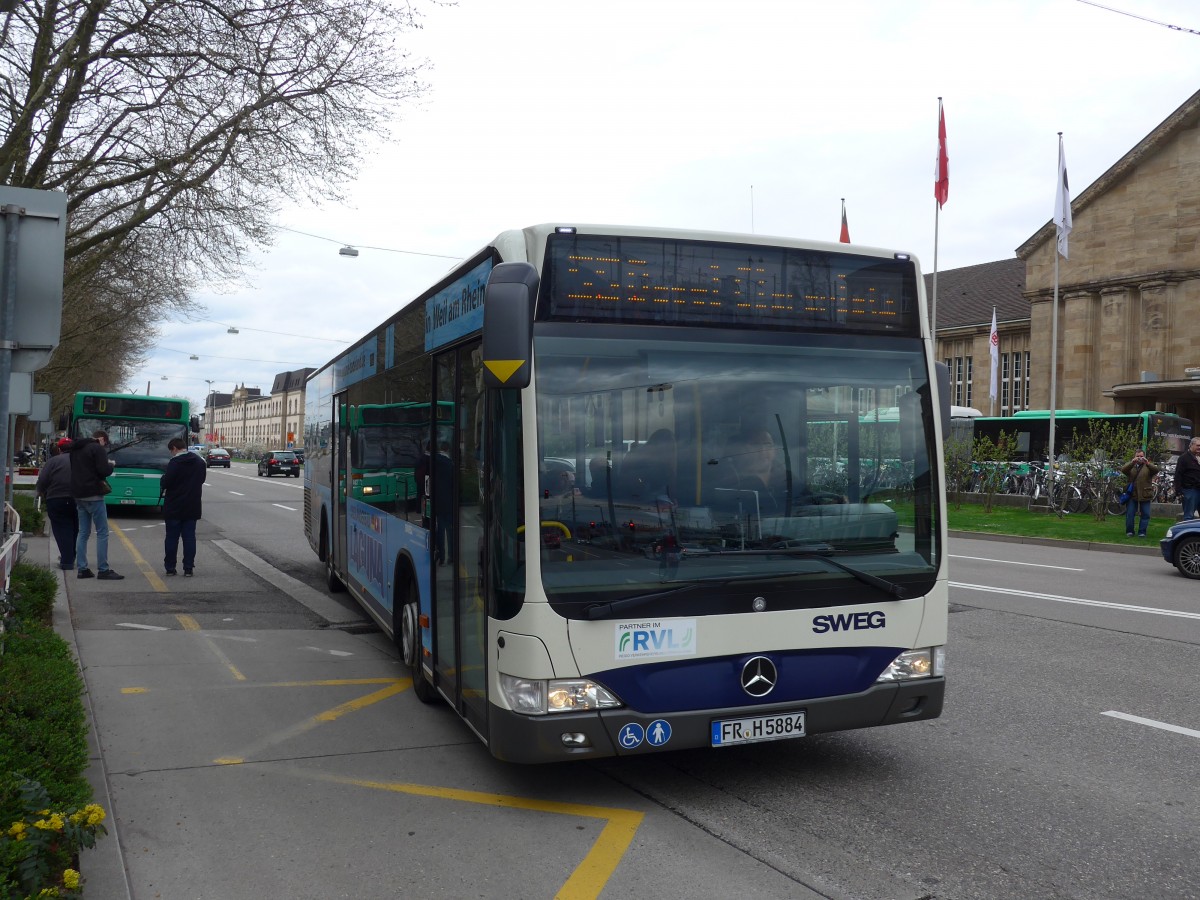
(95, 814)
(70, 879)
(17, 832)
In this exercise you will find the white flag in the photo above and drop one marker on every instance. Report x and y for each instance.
(1062, 202)
(994, 340)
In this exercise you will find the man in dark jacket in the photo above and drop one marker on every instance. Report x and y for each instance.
(1187, 479)
(181, 486)
(90, 465)
(54, 487)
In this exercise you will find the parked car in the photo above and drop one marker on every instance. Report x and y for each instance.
(218, 456)
(281, 462)
(299, 451)
(1181, 547)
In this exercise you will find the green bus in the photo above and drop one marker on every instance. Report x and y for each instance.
(387, 443)
(138, 431)
(1032, 429)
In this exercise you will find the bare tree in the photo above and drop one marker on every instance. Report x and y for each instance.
(176, 127)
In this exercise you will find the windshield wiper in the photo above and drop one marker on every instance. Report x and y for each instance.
(825, 556)
(603, 610)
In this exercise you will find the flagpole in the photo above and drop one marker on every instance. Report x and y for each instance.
(1062, 228)
(937, 210)
(1054, 353)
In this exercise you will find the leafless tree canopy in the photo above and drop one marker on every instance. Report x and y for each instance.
(175, 128)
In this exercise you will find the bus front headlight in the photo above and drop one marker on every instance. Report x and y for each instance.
(928, 662)
(537, 697)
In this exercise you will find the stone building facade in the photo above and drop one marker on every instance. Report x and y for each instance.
(1129, 294)
(248, 419)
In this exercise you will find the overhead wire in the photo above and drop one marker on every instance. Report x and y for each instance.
(1122, 12)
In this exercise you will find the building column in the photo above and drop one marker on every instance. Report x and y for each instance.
(1039, 351)
(1077, 329)
(1152, 330)
(1114, 350)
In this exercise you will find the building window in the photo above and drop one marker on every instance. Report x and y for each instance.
(1005, 409)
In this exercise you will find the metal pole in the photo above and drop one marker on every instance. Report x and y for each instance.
(8, 305)
(937, 210)
(1053, 356)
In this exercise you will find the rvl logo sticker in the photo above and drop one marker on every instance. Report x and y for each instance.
(648, 640)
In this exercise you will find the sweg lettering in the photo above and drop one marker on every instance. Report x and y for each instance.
(858, 621)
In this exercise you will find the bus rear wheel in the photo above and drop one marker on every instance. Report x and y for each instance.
(332, 581)
(407, 634)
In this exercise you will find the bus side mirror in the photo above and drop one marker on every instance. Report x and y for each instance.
(508, 325)
(63, 421)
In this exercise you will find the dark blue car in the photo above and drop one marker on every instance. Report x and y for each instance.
(1181, 547)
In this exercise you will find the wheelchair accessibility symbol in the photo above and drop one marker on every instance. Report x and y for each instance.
(631, 735)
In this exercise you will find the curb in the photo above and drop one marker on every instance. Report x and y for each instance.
(1131, 549)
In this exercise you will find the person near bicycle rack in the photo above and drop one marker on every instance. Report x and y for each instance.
(1187, 479)
(1140, 472)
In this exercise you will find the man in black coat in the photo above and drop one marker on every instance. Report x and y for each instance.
(181, 485)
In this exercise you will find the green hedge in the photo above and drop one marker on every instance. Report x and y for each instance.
(32, 518)
(43, 728)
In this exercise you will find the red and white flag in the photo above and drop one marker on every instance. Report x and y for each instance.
(941, 171)
(845, 236)
(994, 343)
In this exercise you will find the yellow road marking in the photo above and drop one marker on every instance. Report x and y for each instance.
(190, 624)
(397, 685)
(325, 682)
(144, 567)
(591, 875)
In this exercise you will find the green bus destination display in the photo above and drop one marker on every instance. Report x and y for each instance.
(687, 282)
(131, 407)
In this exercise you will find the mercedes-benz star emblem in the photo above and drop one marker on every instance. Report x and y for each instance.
(759, 676)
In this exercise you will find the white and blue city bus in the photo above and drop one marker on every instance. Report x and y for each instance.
(652, 517)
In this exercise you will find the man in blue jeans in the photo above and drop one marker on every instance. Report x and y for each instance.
(1140, 472)
(90, 465)
(181, 487)
(1187, 479)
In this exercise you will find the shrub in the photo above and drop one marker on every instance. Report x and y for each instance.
(43, 729)
(32, 518)
(39, 846)
(45, 816)
(32, 593)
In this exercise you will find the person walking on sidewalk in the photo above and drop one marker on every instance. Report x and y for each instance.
(90, 465)
(1140, 472)
(1187, 479)
(54, 487)
(181, 487)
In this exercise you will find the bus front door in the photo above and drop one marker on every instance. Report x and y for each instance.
(456, 534)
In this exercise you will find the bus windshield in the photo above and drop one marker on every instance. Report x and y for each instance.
(133, 443)
(668, 459)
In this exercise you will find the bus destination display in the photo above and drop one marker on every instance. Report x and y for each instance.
(687, 282)
(131, 407)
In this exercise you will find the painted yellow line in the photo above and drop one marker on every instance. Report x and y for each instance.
(190, 624)
(592, 873)
(330, 715)
(324, 682)
(341, 709)
(144, 567)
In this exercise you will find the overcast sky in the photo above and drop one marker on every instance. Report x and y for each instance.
(753, 115)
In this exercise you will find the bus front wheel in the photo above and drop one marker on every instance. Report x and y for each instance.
(408, 636)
